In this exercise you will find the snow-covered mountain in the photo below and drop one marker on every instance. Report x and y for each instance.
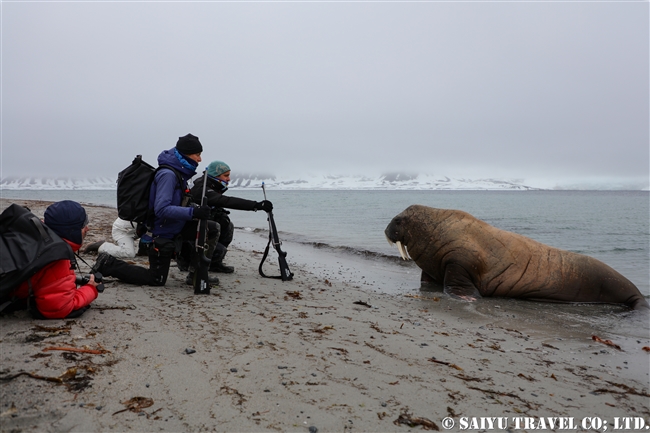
(43, 183)
(383, 182)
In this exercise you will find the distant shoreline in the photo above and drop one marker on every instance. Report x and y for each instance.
(245, 188)
(384, 182)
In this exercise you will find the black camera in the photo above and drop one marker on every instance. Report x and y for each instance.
(82, 280)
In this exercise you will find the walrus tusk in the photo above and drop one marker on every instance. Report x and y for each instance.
(403, 251)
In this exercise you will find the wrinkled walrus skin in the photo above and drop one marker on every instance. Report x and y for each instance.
(463, 253)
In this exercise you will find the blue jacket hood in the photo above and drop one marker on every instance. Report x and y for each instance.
(168, 157)
(167, 195)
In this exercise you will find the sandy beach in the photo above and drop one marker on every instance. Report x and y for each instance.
(314, 354)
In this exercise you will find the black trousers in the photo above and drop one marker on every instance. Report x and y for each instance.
(161, 251)
(225, 238)
(227, 228)
(227, 231)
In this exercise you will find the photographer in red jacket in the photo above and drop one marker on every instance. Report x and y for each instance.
(54, 287)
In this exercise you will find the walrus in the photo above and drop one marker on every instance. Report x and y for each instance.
(464, 254)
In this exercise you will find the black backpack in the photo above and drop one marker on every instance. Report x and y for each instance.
(133, 187)
(26, 246)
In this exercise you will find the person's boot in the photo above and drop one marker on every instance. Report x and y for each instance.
(182, 262)
(92, 248)
(216, 265)
(220, 267)
(189, 280)
(102, 264)
(143, 248)
(184, 257)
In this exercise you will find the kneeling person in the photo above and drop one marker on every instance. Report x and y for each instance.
(218, 179)
(124, 234)
(173, 220)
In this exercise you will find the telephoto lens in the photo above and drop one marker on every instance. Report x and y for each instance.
(100, 283)
(82, 280)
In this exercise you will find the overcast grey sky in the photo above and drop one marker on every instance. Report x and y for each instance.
(505, 89)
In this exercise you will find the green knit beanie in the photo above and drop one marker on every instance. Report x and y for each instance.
(217, 168)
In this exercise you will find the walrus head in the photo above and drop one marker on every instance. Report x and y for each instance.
(412, 230)
(398, 233)
(402, 248)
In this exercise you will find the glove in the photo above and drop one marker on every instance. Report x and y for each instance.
(264, 205)
(201, 212)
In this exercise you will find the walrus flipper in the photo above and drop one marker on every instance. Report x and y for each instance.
(459, 284)
(640, 304)
(426, 278)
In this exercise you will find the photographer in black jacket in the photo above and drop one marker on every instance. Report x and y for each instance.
(218, 179)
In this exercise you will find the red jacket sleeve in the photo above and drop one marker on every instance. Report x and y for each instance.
(55, 291)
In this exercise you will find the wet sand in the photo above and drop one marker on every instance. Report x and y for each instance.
(319, 353)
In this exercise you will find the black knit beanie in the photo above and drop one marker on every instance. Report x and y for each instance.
(189, 145)
(66, 218)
